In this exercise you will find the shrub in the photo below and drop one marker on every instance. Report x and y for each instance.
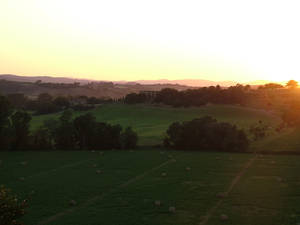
(11, 208)
(206, 134)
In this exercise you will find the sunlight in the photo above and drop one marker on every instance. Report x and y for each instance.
(215, 40)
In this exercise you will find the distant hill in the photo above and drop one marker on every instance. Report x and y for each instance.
(44, 79)
(186, 82)
(49, 79)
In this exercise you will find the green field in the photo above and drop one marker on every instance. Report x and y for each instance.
(151, 122)
(260, 190)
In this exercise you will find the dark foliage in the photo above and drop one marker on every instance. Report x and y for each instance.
(259, 130)
(129, 138)
(134, 98)
(206, 134)
(11, 208)
(193, 97)
(20, 128)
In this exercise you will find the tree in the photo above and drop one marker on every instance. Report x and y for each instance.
(129, 138)
(64, 135)
(292, 84)
(271, 86)
(42, 139)
(206, 134)
(62, 102)
(17, 100)
(20, 126)
(5, 125)
(259, 130)
(85, 127)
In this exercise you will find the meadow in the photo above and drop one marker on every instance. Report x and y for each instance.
(151, 122)
(151, 185)
(121, 187)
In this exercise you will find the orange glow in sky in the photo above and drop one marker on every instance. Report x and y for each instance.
(136, 39)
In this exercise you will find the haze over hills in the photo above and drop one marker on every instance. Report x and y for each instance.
(185, 82)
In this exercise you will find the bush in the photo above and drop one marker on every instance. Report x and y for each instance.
(206, 134)
(11, 208)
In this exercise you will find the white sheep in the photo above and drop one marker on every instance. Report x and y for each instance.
(98, 171)
(163, 174)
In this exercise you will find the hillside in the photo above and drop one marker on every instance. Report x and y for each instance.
(151, 122)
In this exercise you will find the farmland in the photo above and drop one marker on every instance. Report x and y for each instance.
(255, 189)
(151, 122)
(152, 185)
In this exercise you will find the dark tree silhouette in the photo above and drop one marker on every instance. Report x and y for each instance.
(20, 127)
(292, 84)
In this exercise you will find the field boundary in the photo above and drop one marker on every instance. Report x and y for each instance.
(99, 197)
(236, 179)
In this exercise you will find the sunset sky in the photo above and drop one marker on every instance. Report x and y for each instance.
(156, 39)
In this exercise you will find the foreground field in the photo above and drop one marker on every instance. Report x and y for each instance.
(151, 122)
(118, 187)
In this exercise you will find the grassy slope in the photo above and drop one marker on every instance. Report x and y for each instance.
(151, 122)
(108, 198)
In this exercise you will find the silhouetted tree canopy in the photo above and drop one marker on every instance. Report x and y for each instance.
(292, 84)
(206, 134)
(193, 97)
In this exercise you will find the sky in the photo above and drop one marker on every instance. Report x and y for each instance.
(156, 39)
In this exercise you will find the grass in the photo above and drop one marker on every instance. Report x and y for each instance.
(151, 122)
(124, 193)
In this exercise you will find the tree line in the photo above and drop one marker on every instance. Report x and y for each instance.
(46, 103)
(81, 133)
(193, 97)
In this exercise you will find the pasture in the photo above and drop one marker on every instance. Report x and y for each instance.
(121, 187)
(151, 122)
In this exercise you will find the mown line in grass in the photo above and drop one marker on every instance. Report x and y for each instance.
(227, 192)
(99, 197)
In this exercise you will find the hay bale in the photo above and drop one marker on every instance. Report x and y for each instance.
(187, 168)
(221, 195)
(24, 163)
(98, 171)
(173, 160)
(95, 165)
(72, 203)
(172, 209)
(224, 217)
(163, 174)
(157, 202)
(279, 179)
